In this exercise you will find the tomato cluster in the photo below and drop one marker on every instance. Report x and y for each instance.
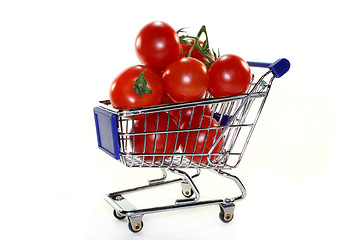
(176, 69)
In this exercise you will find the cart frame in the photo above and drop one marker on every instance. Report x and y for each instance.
(115, 133)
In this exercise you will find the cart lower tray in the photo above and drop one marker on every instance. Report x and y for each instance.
(123, 208)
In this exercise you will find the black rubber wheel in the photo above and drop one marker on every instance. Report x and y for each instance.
(118, 216)
(188, 194)
(138, 227)
(225, 218)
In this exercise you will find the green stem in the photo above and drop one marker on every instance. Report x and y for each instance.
(203, 49)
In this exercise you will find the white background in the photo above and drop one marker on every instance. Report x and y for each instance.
(58, 58)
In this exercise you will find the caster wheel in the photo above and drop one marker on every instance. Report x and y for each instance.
(137, 228)
(118, 216)
(226, 218)
(187, 193)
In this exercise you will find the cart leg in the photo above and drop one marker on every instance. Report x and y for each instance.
(159, 180)
(238, 183)
(186, 189)
(227, 207)
(188, 182)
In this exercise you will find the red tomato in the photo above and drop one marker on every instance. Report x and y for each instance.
(167, 100)
(157, 45)
(195, 52)
(186, 79)
(122, 95)
(154, 142)
(190, 113)
(201, 141)
(229, 75)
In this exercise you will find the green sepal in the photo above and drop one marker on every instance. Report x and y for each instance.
(140, 86)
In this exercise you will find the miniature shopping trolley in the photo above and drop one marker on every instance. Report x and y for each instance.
(236, 118)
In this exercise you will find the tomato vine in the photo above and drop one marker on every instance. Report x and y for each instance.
(204, 48)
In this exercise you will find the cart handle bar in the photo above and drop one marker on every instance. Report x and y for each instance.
(278, 68)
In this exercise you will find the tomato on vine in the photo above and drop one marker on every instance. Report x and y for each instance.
(157, 45)
(195, 52)
(229, 75)
(136, 87)
(186, 79)
(196, 48)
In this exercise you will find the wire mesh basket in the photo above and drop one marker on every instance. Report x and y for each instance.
(157, 142)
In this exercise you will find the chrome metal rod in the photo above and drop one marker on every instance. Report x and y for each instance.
(123, 206)
(155, 183)
(238, 183)
(255, 121)
(131, 211)
(159, 180)
(119, 193)
(245, 100)
(189, 180)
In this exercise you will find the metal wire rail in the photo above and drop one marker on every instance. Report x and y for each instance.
(236, 116)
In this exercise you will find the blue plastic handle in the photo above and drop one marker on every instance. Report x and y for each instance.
(278, 68)
(107, 132)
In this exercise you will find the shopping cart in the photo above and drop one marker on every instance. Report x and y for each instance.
(236, 118)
